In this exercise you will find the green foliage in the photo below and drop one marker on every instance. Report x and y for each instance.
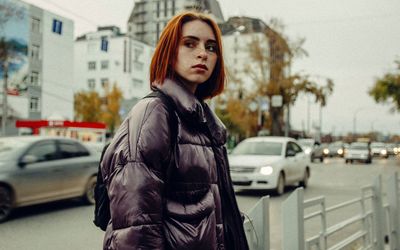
(387, 89)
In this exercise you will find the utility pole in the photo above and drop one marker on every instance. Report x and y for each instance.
(5, 86)
(4, 63)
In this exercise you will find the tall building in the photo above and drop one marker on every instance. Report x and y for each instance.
(40, 49)
(238, 34)
(149, 17)
(106, 57)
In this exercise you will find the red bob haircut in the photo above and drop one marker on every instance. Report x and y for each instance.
(165, 54)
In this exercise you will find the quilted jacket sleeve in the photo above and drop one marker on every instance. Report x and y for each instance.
(136, 184)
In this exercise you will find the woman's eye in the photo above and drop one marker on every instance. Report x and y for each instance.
(211, 47)
(189, 44)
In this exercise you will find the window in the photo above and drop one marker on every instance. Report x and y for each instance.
(92, 65)
(173, 8)
(34, 104)
(35, 78)
(165, 8)
(72, 149)
(104, 44)
(35, 50)
(57, 26)
(44, 151)
(104, 82)
(104, 65)
(158, 31)
(35, 24)
(138, 65)
(158, 9)
(137, 83)
(91, 84)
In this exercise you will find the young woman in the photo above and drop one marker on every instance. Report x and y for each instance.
(189, 204)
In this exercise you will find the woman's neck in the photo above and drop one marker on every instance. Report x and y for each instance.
(188, 85)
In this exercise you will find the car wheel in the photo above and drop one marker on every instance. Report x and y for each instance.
(280, 187)
(347, 161)
(5, 203)
(321, 159)
(88, 196)
(304, 182)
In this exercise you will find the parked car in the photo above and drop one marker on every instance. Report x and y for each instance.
(312, 148)
(268, 163)
(379, 149)
(36, 169)
(358, 151)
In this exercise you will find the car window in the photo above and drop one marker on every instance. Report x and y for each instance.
(44, 151)
(296, 147)
(72, 149)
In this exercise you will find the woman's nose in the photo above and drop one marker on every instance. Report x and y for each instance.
(202, 53)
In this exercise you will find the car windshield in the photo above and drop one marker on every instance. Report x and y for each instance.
(305, 143)
(359, 146)
(378, 145)
(9, 147)
(258, 148)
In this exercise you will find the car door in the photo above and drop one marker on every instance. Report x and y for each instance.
(41, 179)
(290, 162)
(78, 166)
(300, 162)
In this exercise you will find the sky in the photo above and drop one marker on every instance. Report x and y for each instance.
(352, 42)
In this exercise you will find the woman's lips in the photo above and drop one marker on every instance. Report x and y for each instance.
(200, 66)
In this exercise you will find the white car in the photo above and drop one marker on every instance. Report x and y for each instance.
(358, 151)
(268, 163)
(379, 149)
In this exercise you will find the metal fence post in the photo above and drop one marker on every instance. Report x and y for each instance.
(257, 225)
(379, 215)
(293, 221)
(394, 209)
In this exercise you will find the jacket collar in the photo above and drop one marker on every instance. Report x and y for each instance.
(193, 110)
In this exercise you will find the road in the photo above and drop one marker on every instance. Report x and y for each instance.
(68, 224)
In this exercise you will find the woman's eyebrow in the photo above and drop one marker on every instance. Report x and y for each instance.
(198, 39)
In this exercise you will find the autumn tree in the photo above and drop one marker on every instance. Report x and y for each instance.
(87, 106)
(110, 113)
(387, 89)
(270, 58)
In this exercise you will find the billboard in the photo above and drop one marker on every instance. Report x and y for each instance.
(14, 40)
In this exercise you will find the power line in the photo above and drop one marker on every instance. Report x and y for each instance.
(72, 13)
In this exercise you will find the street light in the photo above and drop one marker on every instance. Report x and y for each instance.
(355, 120)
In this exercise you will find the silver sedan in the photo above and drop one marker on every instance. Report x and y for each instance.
(35, 169)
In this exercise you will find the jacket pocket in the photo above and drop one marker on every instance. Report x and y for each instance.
(191, 226)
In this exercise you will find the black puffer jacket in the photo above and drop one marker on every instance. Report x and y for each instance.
(187, 216)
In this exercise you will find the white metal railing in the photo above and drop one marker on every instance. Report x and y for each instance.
(256, 225)
(370, 225)
(373, 222)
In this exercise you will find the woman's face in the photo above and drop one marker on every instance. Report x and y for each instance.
(197, 53)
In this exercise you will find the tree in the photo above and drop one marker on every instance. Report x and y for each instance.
(387, 89)
(87, 106)
(110, 114)
(270, 57)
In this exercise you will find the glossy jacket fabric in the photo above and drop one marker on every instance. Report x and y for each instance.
(147, 214)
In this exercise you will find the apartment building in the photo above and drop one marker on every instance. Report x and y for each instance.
(40, 71)
(149, 17)
(106, 57)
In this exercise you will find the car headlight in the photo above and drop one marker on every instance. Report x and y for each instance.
(340, 151)
(326, 151)
(383, 152)
(307, 151)
(266, 170)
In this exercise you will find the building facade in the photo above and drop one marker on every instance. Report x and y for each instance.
(106, 57)
(149, 17)
(40, 59)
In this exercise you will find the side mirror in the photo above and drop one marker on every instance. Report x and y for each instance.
(28, 159)
(290, 153)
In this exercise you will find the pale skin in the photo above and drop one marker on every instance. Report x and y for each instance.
(197, 54)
